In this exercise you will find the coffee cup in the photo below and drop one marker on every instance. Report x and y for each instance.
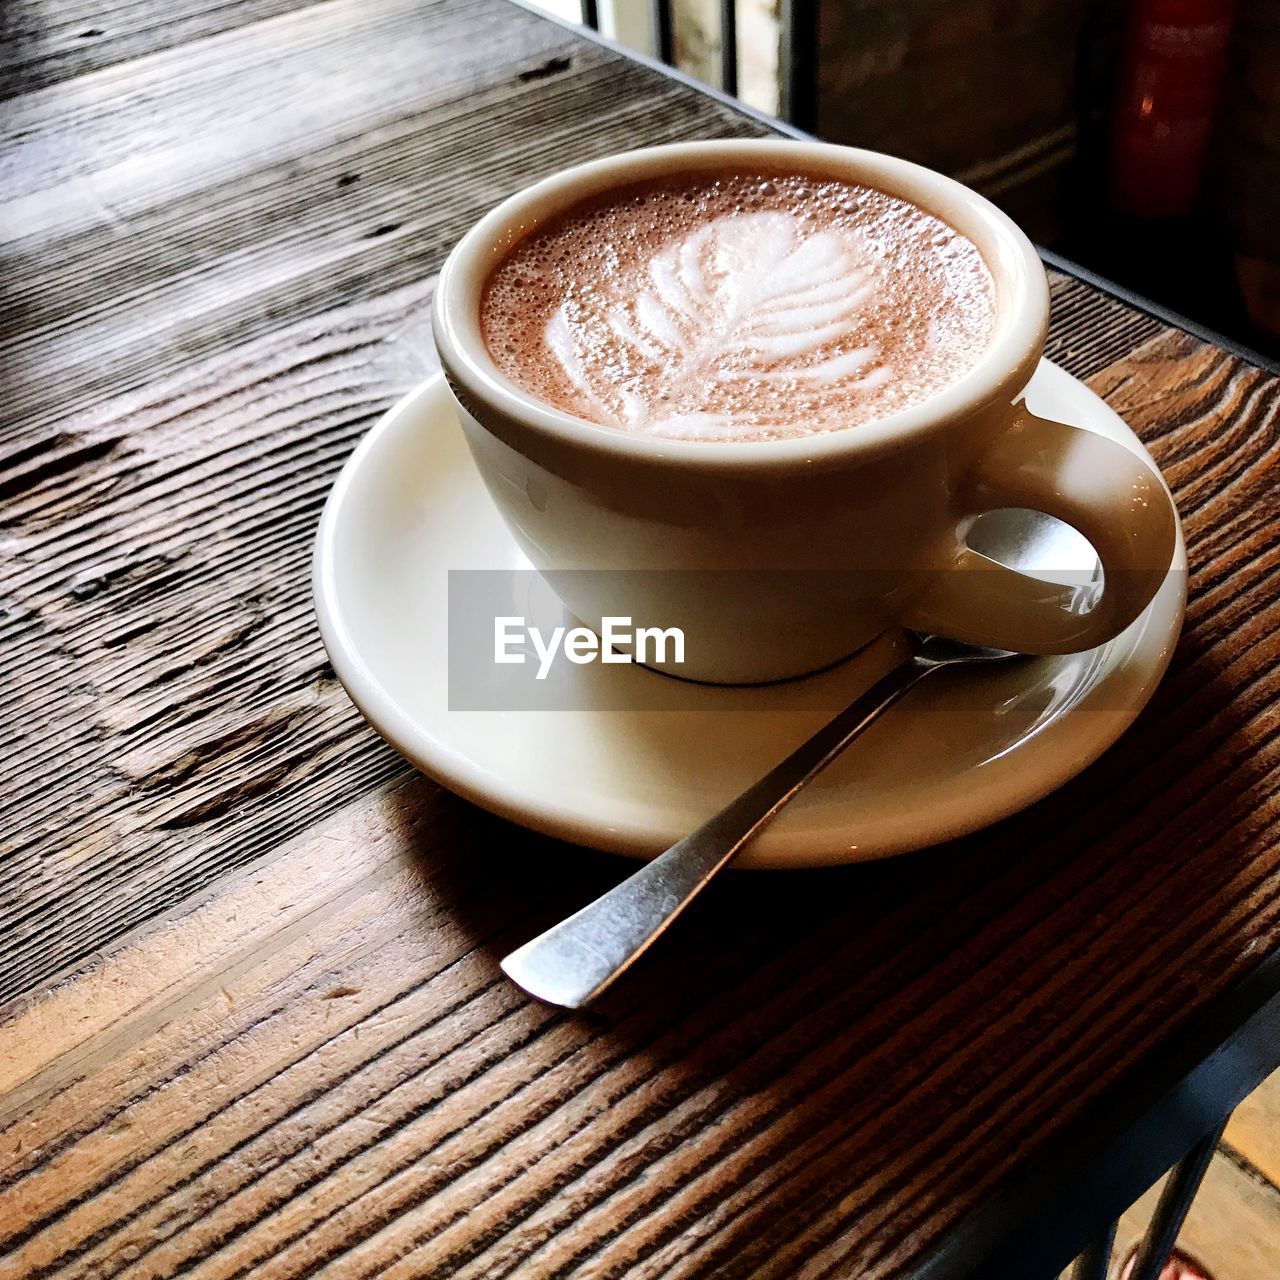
(777, 557)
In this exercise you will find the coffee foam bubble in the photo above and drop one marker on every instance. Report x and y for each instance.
(739, 306)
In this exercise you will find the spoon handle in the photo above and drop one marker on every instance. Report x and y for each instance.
(574, 961)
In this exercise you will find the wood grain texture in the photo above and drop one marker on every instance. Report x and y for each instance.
(254, 1021)
(224, 323)
(45, 41)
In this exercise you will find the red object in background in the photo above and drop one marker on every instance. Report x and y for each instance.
(1174, 59)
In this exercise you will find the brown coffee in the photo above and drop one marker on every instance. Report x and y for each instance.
(739, 306)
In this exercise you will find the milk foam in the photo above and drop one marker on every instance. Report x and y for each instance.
(739, 306)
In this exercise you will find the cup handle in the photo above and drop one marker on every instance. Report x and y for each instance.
(1103, 490)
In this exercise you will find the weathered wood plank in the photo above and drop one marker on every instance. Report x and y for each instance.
(130, 253)
(747, 1110)
(220, 343)
(319, 1066)
(43, 42)
(1091, 330)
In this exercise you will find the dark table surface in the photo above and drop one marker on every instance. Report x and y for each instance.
(252, 1018)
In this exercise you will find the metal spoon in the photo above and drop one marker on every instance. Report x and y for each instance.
(574, 961)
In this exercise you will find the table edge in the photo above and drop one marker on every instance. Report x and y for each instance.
(1138, 1128)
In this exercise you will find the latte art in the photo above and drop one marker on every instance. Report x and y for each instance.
(748, 298)
(739, 307)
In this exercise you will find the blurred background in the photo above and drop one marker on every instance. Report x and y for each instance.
(1138, 138)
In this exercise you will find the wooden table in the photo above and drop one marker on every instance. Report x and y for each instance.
(253, 1022)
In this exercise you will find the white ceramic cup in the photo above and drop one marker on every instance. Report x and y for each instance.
(779, 557)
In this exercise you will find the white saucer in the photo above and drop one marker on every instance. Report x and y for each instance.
(954, 756)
